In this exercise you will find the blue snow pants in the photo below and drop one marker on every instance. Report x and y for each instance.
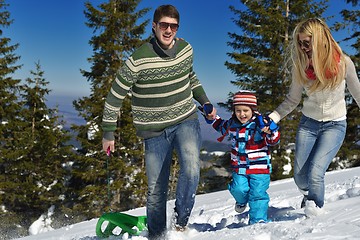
(252, 189)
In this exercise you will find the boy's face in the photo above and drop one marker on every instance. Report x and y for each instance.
(165, 31)
(243, 113)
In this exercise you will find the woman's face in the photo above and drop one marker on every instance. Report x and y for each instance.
(304, 42)
(165, 31)
(243, 113)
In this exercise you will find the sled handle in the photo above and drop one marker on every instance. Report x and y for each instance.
(133, 225)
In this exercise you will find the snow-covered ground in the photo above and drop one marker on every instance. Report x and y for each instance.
(214, 218)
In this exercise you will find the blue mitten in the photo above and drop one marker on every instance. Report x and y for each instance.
(206, 109)
(273, 126)
(270, 123)
(261, 121)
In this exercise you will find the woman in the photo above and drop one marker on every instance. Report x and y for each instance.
(321, 69)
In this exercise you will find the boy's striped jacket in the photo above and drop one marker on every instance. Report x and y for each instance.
(250, 153)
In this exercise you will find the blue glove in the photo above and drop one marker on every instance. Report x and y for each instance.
(273, 126)
(270, 123)
(206, 109)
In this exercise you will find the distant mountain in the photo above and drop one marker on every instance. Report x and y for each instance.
(66, 110)
(210, 136)
(213, 146)
(70, 116)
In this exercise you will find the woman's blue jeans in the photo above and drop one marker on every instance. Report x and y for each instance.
(317, 143)
(185, 138)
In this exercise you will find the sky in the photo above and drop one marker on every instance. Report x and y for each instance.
(54, 33)
(214, 217)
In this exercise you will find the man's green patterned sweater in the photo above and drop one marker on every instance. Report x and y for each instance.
(163, 85)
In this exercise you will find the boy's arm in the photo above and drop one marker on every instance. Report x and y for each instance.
(273, 138)
(217, 123)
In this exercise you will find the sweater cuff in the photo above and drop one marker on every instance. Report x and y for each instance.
(203, 99)
(275, 116)
(109, 136)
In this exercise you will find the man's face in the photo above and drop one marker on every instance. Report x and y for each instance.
(165, 31)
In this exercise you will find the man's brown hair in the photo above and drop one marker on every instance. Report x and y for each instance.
(166, 11)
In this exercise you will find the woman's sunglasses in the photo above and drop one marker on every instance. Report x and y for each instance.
(164, 25)
(304, 43)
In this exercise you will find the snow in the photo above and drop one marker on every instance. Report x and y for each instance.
(217, 153)
(43, 224)
(214, 217)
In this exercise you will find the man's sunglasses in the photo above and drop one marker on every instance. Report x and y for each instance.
(164, 25)
(305, 44)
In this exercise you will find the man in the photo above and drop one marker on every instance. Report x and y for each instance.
(163, 85)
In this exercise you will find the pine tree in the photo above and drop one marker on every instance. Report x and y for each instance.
(9, 87)
(354, 2)
(9, 122)
(259, 57)
(116, 35)
(35, 172)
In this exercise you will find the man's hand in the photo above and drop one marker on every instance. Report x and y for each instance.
(108, 144)
(209, 110)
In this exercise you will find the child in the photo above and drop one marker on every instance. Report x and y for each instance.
(250, 156)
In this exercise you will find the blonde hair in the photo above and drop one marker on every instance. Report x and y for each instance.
(327, 56)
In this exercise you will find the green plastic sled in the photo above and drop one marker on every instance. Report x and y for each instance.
(133, 225)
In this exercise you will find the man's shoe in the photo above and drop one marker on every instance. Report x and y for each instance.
(179, 228)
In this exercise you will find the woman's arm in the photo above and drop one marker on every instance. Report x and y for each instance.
(352, 80)
(291, 101)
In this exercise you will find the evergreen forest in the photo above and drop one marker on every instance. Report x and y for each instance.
(41, 170)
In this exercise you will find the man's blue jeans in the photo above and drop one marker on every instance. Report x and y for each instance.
(317, 143)
(185, 138)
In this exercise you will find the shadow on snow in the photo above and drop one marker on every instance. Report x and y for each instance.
(274, 215)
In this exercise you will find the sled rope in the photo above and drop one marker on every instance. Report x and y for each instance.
(108, 153)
